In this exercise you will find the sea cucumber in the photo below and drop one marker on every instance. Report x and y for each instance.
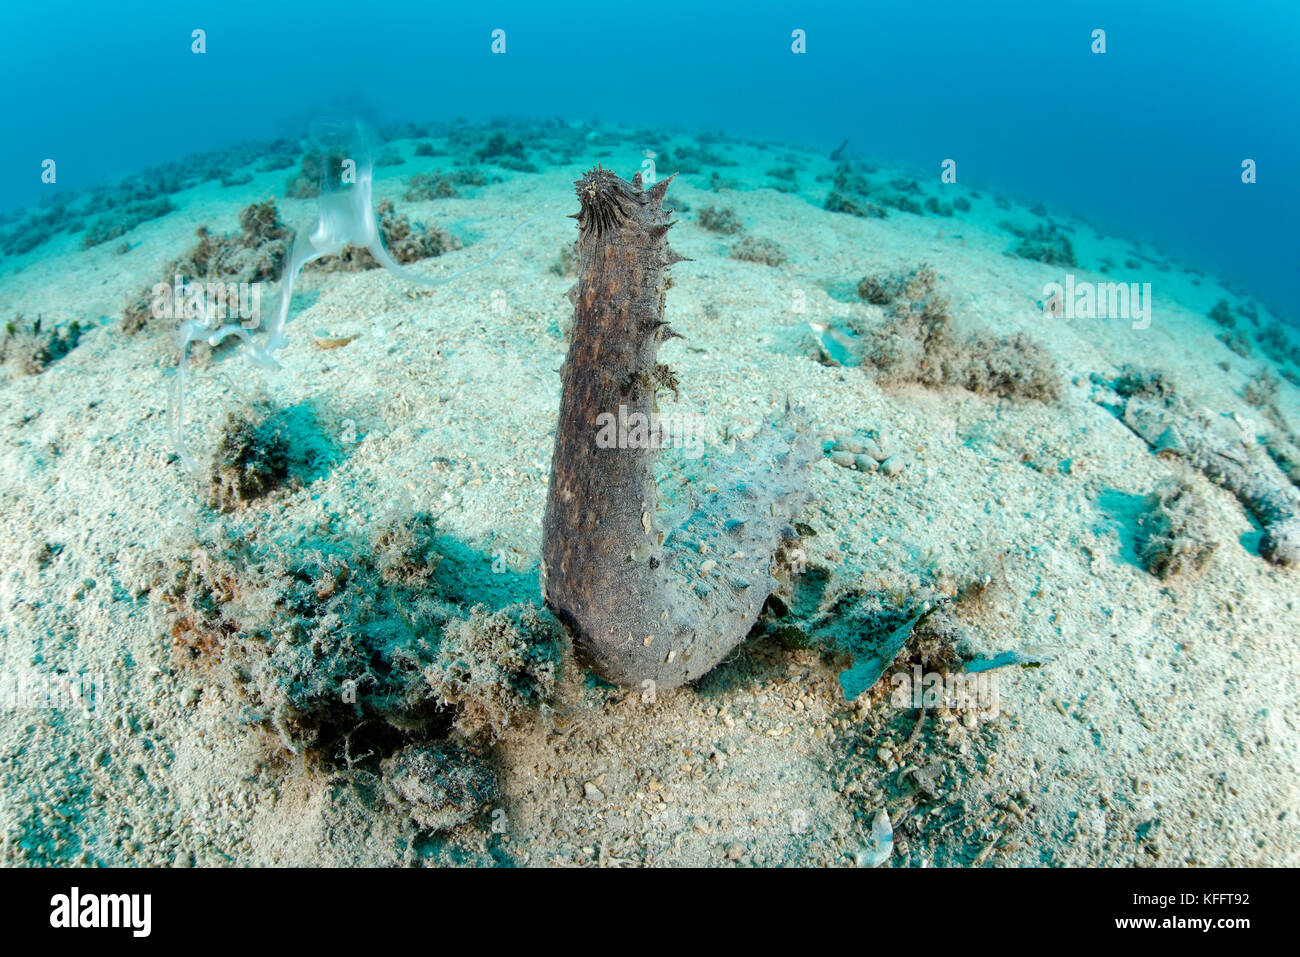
(1175, 431)
(644, 605)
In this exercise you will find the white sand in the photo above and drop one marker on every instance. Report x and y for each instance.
(1164, 732)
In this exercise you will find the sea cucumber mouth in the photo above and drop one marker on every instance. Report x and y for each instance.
(602, 196)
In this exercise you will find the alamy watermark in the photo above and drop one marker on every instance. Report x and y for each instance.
(1075, 299)
(27, 690)
(208, 301)
(77, 910)
(641, 430)
(955, 690)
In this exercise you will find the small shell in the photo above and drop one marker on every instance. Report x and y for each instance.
(893, 465)
(882, 841)
(326, 341)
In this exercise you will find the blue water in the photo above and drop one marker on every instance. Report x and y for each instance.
(1146, 139)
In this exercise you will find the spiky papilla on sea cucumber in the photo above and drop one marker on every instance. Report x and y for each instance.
(646, 605)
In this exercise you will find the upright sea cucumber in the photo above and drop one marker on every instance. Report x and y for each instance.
(645, 605)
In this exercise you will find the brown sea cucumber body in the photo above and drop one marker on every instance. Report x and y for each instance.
(645, 604)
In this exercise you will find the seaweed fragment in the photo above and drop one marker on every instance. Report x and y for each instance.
(1222, 314)
(496, 667)
(251, 459)
(1175, 526)
(121, 221)
(754, 249)
(440, 785)
(253, 255)
(31, 347)
(720, 220)
(1046, 243)
(317, 636)
(918, 344)
(850, 191)
(405, 241)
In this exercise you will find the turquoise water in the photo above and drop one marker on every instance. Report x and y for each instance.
(1146, 138)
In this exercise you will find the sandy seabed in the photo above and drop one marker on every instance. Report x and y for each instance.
(1161, 729)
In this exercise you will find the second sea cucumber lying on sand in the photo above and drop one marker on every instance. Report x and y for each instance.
(1176, 431)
